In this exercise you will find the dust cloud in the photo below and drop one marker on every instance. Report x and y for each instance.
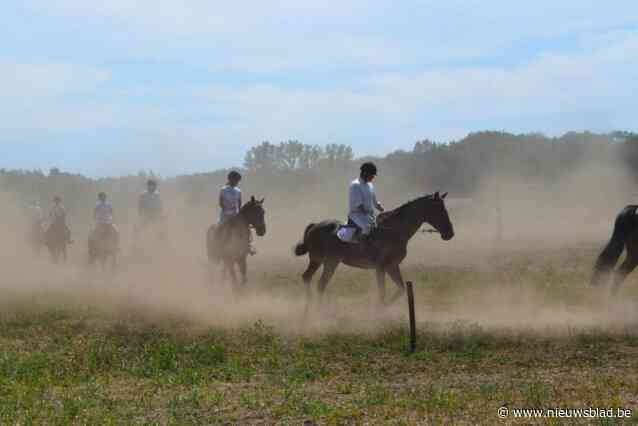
(531, 222)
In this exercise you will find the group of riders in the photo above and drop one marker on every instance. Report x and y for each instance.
(150, 208)
(363, 205)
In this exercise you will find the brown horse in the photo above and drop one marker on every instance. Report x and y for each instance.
(56, 238)
(104, 245)
(389, 239)
(624, 236)
(230, 241)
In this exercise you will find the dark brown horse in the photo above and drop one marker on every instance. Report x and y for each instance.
(624, 236)
(104, 245)
(56, 238)
(230, 241)
(390, 239)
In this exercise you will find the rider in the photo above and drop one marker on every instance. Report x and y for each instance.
(150, 206)
(230, 197)
(363, 201)
(57, 215)
(230, 202)
(103, 215)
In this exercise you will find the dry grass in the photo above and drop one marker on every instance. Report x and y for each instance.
(152, 345)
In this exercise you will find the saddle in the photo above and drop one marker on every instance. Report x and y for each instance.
(349, 233)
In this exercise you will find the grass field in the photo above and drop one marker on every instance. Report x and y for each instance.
(521, 330)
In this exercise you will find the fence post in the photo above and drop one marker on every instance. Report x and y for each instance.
(412, 318)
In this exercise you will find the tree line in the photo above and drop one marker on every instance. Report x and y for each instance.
(292, 168)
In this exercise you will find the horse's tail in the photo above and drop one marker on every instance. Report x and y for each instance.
(302, 247)
(612, 251)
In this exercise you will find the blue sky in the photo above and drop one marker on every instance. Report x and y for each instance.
(183, 86)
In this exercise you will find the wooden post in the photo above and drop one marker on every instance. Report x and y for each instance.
(412, 318)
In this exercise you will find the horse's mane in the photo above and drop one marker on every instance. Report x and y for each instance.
(249, 204)
(385, 216)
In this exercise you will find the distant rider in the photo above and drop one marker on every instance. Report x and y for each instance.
(57, 216)
(150, 206)
(103, 215)
(363, 202)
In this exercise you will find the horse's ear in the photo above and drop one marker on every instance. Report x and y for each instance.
(252, 198)
(262, 200)
(436, 195)
(444, 195)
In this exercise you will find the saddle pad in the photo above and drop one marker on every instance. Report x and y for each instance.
(346, 234)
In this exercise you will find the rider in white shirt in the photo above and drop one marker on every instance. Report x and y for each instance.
(230, 197)
(103, 212)
(103, 215)
(150, 206)
(230, 203)
(57, 215)
(363, 200)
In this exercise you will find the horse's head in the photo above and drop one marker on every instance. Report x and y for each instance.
(253, 212)
(437, 216)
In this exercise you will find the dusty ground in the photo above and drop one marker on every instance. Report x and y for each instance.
(509, 322)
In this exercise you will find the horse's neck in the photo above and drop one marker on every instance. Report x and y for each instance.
(405, 223)
(238, 222)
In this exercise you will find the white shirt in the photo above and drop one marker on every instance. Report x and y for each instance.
(103, 213)
(362, 194)
(230, 199)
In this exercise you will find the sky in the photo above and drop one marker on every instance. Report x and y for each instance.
(109, 88)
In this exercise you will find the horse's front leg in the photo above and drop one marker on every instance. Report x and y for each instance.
(242, 270)
(113, 261)
(395, 274)
(381, 283)
(229, 269)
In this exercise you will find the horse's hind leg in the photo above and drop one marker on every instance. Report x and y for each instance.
(381, 284)
(329, 268)
(621, 273)
(307, 280)
(308, 274)
(395, 274)
(631, 261)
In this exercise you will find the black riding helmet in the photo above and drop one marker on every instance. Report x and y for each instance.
(369, 168)
(234, 175)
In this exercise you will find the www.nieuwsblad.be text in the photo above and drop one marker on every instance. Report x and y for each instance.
(565, 413)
